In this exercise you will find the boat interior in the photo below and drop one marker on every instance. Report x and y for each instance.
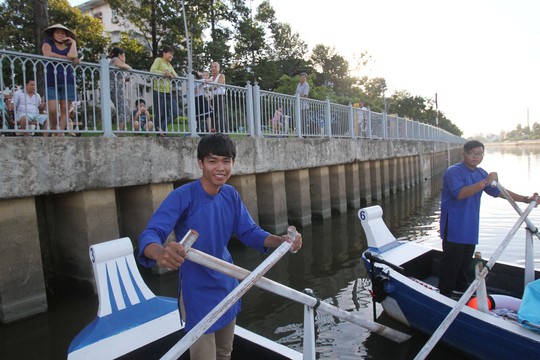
(503, 279)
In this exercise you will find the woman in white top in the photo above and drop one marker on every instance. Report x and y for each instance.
(218, 103)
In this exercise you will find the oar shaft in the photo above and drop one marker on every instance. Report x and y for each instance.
(177, 350)
(507, 196)
(430, 344)
(226, 268)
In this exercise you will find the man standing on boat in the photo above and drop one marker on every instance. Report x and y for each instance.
(215, 211)
(463, 185)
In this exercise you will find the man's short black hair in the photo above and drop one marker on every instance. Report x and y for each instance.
(216, 144)
(469, 145)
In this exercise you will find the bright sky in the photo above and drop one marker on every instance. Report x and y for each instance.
(482, 57)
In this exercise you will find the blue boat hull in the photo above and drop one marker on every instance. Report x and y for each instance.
(467, 334)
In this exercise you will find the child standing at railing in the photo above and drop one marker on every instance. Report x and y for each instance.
(276, 121)
(141, 117)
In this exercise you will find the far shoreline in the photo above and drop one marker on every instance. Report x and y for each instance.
(514, 143)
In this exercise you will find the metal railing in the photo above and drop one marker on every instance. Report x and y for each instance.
(181, 111)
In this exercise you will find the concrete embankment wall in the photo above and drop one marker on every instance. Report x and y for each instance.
(59, 196)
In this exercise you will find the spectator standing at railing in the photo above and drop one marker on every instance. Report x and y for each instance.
(302, 89)
(165, 104)
(362, 120)
(202, 107)
(118, 80)
(218, 102)
(60, 87)
(28, 106)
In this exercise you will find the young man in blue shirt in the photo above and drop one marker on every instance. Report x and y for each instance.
(463, 185)
(215, 210)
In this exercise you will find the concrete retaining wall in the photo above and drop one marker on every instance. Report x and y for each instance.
(59, 196)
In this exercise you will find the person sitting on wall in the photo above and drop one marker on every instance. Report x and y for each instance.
(141, 117)
(28, 106)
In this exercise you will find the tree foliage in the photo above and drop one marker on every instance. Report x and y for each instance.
(19, 31)
(250, 44)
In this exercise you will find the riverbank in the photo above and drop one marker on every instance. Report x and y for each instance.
(514, 143)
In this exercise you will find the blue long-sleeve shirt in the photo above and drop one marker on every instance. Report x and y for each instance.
(460, 219)
(215, 218)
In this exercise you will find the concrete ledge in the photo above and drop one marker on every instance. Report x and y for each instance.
(22, 308)
(37, 166)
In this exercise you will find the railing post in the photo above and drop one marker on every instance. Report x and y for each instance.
(369, 135)
(351, 121)
(192, 121)
(384, 126)
(529, 257)
(298, 116)
(105, 86)
(254, 109)
(328, 119)
(309, 330)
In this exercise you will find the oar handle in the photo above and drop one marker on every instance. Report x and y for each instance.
(188, 239)
(291, 233)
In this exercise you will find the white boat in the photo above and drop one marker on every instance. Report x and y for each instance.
(131, 319)
(134, 323)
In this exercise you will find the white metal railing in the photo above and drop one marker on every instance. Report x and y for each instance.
(240, 110)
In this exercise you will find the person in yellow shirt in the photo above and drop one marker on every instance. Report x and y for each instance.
(165, 104)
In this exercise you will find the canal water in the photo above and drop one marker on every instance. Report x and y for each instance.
(329, 264)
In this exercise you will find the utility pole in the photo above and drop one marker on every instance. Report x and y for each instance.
(188, 44)
(436, 111)
(191, 80)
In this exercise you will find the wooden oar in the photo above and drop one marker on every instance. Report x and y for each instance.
(430, 344)
(177, 350)
(507, 196)
(531, 229)
(224, 267)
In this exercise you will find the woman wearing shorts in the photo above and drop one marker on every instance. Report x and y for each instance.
(60, 87)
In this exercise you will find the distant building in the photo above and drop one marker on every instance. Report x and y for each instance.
(113, 24)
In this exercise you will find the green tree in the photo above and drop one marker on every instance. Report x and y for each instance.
(249, 50)
(88, 30)
(332, 68)
(138, 56)
(154, 19)
(19, 28)
(535, 131)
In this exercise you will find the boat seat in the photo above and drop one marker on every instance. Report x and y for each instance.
(379, 237)
(129, 315)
